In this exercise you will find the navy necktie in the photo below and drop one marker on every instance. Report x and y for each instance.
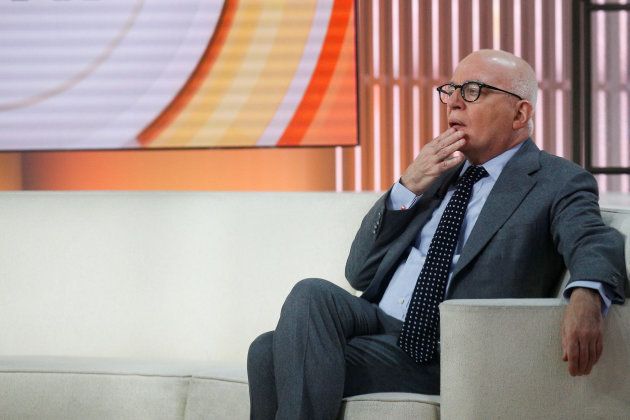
(420, 334)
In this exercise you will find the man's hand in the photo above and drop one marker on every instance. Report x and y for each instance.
(436, 157)
(582, 327)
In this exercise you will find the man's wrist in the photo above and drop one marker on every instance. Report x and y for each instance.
(408, 184)
(400, 197)
(405, 183)
(601, 288)
(584, 293)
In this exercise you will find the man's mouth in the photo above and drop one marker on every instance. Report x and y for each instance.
(456, 124)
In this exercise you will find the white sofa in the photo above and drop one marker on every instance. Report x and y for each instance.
(121, 305)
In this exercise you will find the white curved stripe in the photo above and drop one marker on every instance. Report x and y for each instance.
(127, 91)
(193, 27)
(32, 41)
(302, 77)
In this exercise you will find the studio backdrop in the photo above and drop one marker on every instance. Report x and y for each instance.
(111, 74)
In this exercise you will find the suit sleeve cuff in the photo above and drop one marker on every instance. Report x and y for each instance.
(602, 289)
(400, 198)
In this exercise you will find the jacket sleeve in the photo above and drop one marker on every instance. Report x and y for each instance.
(591, 249)
(379, 228)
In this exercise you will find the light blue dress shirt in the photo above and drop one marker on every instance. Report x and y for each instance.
(395, 301)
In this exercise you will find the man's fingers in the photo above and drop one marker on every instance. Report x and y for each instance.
(455, 159)
(584, 362)
(447, 151)
(574, 358)
(599, 348)
(592, 357)
(444, 135)
(565, 356)
(447, 138)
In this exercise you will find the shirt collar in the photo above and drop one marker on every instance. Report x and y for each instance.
(495, 166)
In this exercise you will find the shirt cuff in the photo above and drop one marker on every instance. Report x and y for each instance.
(400, 198)
(595, 285)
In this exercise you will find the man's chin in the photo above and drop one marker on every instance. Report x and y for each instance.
(466, 148)
(470, 153)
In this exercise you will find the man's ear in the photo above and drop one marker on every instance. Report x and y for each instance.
(523, 114)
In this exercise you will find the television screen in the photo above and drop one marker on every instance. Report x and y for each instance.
(135, 74)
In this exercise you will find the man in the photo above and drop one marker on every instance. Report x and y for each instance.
(480, 213)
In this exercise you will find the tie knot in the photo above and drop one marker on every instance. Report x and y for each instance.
(472, 175)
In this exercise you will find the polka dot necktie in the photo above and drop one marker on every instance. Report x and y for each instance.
(420, 332)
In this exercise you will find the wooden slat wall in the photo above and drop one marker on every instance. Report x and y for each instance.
(447, 31)
(611, 91)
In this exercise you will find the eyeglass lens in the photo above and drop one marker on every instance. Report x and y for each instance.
(470, 91)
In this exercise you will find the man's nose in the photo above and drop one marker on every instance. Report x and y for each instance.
(455, 101)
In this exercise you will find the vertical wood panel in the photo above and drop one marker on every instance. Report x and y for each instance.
(548, 61)
(10, 171)
(425, 77)
(435, 48)
(406, 86)
(485, 13)
(348, 169)
(386, 107)
(465, 28)
(445, 34)
(507, 25)
(367, 136)
(528, 40)
(566, 75)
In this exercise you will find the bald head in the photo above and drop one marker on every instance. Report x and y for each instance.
(514, 72)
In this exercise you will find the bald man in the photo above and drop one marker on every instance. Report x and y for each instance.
(480, 213)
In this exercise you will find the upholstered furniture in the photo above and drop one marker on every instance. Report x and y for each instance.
(120, 305)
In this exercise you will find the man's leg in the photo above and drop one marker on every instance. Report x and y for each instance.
(375, 363)
(262, 384)
(317, 320)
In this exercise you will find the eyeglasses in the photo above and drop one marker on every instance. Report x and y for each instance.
(470, 91)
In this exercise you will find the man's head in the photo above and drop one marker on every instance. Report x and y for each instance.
(496, 121)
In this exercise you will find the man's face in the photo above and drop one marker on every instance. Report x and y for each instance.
(487, 122)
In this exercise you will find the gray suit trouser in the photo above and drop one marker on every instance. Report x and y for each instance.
(329, 344)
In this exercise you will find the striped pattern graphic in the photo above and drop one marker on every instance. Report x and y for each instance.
(189, 74)
(272, 75)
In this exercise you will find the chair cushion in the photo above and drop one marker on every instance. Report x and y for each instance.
(391, 405)
(102, 388)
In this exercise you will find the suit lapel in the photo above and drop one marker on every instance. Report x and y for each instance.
(508, 192)
(430, 200)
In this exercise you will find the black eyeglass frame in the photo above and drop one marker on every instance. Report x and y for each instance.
(440, 90)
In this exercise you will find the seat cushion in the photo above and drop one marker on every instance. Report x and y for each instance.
(102, 388)
(68, 396)
(391, 405)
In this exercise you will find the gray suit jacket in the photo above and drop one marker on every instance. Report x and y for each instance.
(541, 216)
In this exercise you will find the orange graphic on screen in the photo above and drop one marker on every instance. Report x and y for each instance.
(272, 75)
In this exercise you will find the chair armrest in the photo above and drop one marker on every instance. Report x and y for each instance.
(502, 358)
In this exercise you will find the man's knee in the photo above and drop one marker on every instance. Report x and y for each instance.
(311, 288)
(260, 354)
